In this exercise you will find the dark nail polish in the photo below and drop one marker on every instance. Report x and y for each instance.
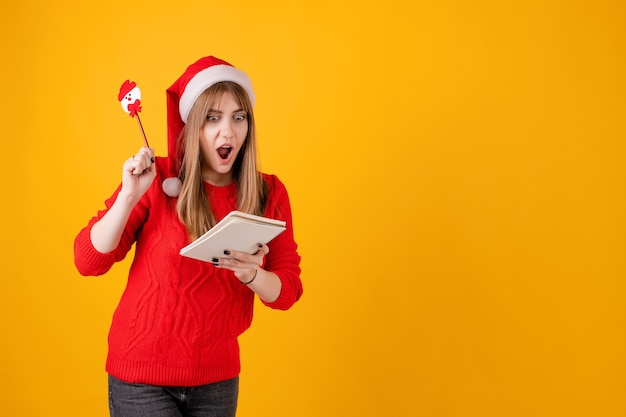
(226, 252)
(215, 260)
(260, 245)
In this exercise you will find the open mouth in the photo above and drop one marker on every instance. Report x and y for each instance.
(224, 151)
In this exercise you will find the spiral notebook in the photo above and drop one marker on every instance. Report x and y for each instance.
(237, 231)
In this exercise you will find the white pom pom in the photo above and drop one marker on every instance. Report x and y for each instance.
(171, 186)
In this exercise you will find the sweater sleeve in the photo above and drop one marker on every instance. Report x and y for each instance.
(283, 258)
(88, 260)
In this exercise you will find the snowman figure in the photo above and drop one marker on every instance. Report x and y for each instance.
(130, 98)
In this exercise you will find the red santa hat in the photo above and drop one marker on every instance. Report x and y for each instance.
(126, 88)
(181, 97)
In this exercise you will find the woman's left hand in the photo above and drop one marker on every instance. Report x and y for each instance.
(244, 265)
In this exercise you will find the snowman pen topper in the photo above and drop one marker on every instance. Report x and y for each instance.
(130, 99)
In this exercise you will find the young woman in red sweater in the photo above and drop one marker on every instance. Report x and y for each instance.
(173, 347)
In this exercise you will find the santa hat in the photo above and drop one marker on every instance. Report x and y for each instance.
(181, 97)
(126, 88)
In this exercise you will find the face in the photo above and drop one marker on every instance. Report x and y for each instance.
(221, 138)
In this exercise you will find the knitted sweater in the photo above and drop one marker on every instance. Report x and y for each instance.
(178, 320)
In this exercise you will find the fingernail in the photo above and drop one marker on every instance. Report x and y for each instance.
(215, 260)
(226, 252)
(260, 245)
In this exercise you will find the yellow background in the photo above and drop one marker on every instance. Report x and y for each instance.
(456, 171)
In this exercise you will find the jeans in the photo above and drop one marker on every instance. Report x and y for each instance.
(139, 400)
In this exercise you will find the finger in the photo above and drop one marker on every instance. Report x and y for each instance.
(262, 251)
(246, 258)
(149, 154)
(237, 261)
(131, 164)
(139, 163)
(135, 165)
(146, 154)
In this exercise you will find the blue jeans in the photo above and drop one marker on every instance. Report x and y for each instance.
(139, 400)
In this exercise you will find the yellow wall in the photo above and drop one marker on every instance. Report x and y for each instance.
(456, 172)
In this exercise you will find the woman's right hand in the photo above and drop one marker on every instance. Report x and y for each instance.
(138, 173)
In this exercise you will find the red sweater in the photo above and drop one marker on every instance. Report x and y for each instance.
(178, 320)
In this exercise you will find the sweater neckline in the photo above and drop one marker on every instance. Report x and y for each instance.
(221, 190)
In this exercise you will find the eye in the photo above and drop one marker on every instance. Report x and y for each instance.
(239, 117)
(212, 118)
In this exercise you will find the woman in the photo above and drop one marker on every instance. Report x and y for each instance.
(173, 347)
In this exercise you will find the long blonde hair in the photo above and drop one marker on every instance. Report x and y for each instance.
(193, 205)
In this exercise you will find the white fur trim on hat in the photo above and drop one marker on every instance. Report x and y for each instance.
(206, 78)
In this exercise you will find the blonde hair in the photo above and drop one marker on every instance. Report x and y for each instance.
(193, 205)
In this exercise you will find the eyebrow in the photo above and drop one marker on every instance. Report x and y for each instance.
(220, 111)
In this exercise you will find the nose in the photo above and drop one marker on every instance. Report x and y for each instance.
(227, 129)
